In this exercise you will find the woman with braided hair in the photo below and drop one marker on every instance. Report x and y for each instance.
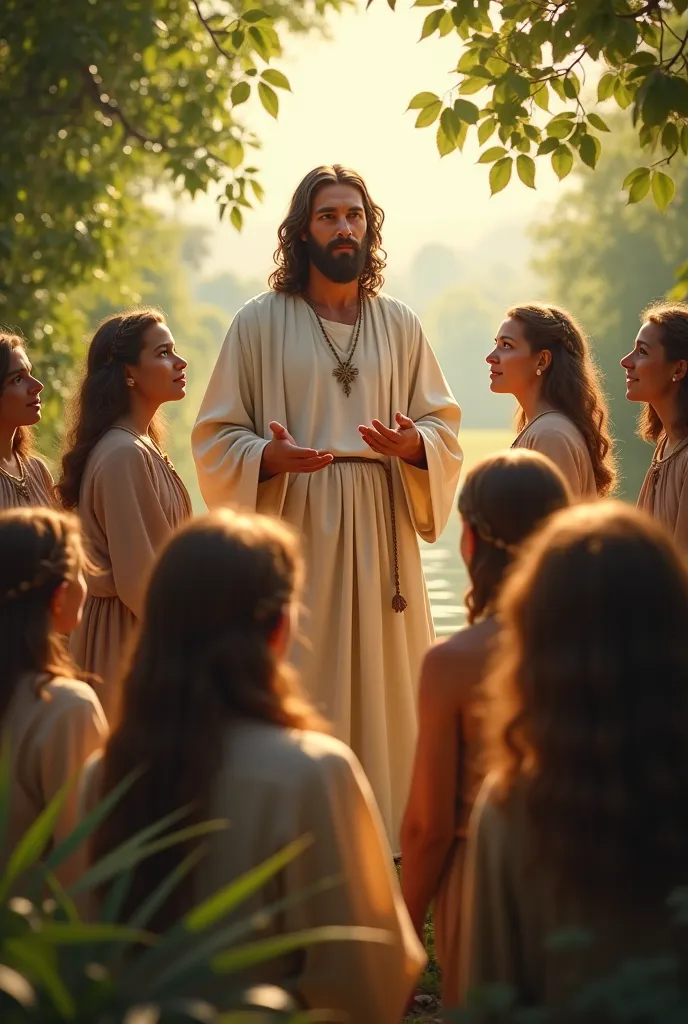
(657, 374)
(53, 722)
(24, 478)
(542, 358)
(115, 473)
(504, 499)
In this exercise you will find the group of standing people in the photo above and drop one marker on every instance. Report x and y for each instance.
(327, 410)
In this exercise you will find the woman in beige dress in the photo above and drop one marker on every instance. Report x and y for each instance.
(581, 827)
(115, 473)
(542, 357)
(52, 722)
(503, 500)
(211, 708)
(657, 375)
(24, 478)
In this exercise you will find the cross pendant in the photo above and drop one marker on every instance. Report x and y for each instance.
(345, 374)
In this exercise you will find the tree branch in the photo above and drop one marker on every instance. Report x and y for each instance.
(650, 6)
(212, 33)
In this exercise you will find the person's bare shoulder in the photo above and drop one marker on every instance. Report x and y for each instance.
(453, 668)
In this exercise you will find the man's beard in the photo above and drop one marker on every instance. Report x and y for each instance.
(340, 267)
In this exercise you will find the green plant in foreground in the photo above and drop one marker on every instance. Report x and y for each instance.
(57, 967)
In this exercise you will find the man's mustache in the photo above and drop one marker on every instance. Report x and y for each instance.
(338, 243)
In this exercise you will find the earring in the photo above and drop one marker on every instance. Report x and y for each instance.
(539, 372)
(130, 383)
(674, 378)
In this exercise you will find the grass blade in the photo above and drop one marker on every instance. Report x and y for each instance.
(242, 957)
(61, 898)
(158, 897)
(34, 961)
(71, 933)
(34, 841)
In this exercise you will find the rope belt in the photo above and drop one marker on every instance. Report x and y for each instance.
(398, 602)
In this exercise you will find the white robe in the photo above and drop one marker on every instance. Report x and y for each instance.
(361, 659)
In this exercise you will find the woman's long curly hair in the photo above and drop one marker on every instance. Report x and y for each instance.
(672, 320)
(291, 255)
(571, 383)
(39, 549)
(503, 500)
(22, 443)
(203, 659)
(104, 397)
(588, 702)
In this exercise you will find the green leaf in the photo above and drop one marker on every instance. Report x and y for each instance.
(258, 191)
(500, 175)
(429, 114)
(622, 95)
(605, 87)
(471, 85)
(450, 125)
(427, 3)
(525, 166)
(597, 122)
(232, 895)
(663, 190)
(541, 96)
(274, 77)
(656, 103)
(34, 842)
(559, 128)
(640, 186)
(235, 153)
(684, 137)
(422, 100)
(486, 129)
(445, 145)
(431, 23)
(268, 97)
(492, 154)
(243, 957)
(240, 93)
(590, 150)
(548, 146)
(156, 899)
(562, 161)
(79, 932)
(254, 15)
(638, 172)
(466, 111)
(670, 137)
(31, 960)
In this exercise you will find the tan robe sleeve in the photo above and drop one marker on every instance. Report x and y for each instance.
(564, 453)
(370, 982)
(127, 506)
(47, 482)
(68, 741)
(490, 948)
(226, 445)
(430, 492)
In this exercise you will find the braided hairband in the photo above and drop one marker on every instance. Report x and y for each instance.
(47, 572)
(116, 337)
(483, 530)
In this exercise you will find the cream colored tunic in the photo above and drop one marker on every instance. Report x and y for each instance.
(39, 483)
(362, 659)
(52, 733)
(512, 907)
(275, 786)
(664, 493)
(130, 501)
(554, 435)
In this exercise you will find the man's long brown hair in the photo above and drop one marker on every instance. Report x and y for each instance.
(22, 442)
(672, 320)
(39, 549)
(291, 255)
(588, 702)
(504, 498)
(202, 660)
(571, 383)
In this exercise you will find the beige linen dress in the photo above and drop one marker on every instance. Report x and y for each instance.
(130, 501)
(38, 484)
(361, 660)
(52, 732)
(664, 493)
(512, 908)
(556, 436)
(276, 785)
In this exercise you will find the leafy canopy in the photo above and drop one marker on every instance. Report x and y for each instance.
(518, 58)
(101, 102)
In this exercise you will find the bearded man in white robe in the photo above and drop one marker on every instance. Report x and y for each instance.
(328, 408)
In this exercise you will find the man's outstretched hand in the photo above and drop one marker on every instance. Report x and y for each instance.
(406, 442)
(283, 455)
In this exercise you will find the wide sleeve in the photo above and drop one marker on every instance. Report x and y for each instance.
(128, 509)
(370, 982)
(72, 735)
(490, 947)
(430, 491)
(227, 446)
(680, 530)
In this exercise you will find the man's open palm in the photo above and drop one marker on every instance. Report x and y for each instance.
(283, 455)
